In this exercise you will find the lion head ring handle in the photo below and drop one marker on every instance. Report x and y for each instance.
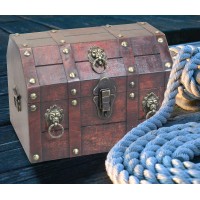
(98, 59)
(54, 116)
(150, 104)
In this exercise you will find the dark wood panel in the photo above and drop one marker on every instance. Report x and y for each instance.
(23, 26)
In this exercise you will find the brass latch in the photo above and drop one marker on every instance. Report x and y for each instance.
(104, 97)
(104, 100)
(17, 99)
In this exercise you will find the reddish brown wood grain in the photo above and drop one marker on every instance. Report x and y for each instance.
(53, 82)
(97, 139)
(33, 123)
(47, 55)
(151, 80)
(53, 149)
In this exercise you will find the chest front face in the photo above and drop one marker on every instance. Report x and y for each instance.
(85, 88)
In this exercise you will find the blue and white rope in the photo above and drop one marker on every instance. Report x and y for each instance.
(151, 154)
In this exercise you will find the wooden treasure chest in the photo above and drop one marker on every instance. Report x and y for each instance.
(78, 91)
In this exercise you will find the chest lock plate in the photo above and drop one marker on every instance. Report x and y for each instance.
(104, 96)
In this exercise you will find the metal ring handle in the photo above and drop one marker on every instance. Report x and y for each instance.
(104, 66)
(51, 128)
(150, 114)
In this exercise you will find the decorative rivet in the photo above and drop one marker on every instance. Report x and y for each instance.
(73, 91)
(74, 102)
(33, 96)
(198, 66)
(62, 41)
(24, 45)
(143, 23)
(75, 151)
(168, 64)
(131, 69)
(132, 95)
(27, 53)
(36, 157)
(157, 31)
(17, 34)
(124, 44)
(188, 59)
(120, 35)
(132, 84)
(32, 81)
(33, 108)
(65, 51)
(160, 40)
(108, 25)
(53, 31)
(72, 75)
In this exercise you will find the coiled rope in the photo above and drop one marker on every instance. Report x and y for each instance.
(151, 154)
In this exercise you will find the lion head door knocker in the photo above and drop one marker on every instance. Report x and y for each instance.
(54, 116)
(150, 104)
(98, 59)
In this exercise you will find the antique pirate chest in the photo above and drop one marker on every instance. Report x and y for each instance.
(77, 92)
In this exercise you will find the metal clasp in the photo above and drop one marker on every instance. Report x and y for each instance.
(54, 116)
(17, 99)
(104, 97)
(98, 59)
(150, 104)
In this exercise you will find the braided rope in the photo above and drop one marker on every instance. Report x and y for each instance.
(151, 154)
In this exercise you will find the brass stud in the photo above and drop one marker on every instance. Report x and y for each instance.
(33, 96)
(73, 91)
(132, 84)
(36, 157)
(53, 31)
(27, 53)
(17, 34)
(168, 64)
(72, 75)
(143, 23)
(108, 25)
(157, 31)
(160, 40)
(76, 151)
(132, 95)
(74, 102)
(32, 81)
(65, 51)
(188, 59)
(24, 45)
(33, 108)
(198, 66)
(62, 41)
(120, 35)
(124, 44)
(131, 69)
